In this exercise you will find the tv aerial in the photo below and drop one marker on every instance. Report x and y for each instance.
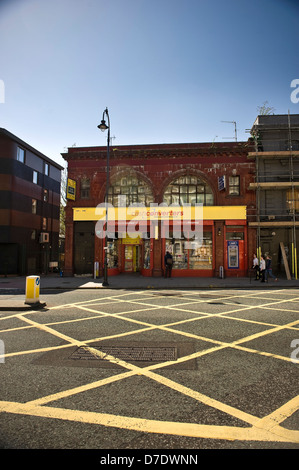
(232, 122)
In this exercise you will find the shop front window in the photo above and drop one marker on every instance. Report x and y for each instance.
(112, 254)
(191, 253)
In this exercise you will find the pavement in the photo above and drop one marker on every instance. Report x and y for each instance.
(13, 287)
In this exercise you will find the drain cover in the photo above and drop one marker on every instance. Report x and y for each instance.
(147, 354)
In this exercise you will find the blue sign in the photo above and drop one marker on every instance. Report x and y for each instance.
(221, 183)
(233, 254)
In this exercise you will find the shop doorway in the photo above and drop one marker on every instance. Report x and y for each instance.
(84, 247)
(132, 255)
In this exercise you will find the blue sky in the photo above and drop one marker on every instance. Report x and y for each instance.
(168, 71)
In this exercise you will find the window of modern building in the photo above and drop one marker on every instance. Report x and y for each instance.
(34, 177)
(21, 155)
(188, 189)
(234, 185)
(46, 168)
(85, 188)
(132, 189)
(45, 195)
(33, 206)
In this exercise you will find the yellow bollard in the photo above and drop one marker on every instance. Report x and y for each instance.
(32, 290)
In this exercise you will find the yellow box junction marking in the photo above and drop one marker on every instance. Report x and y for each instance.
(261, 429)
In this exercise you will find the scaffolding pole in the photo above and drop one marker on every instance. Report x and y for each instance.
(294, 244)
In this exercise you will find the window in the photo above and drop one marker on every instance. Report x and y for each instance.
(85, 188)
(33, 206)
(45, 223)
(21, 155)
(46, 195)
(112, 255)
(33, 235)
(46, 169)
(34, 177)
(234, 186)
(188, 190)
(130, 189)
(191, 254)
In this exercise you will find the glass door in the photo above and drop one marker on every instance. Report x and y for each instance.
(129, 265)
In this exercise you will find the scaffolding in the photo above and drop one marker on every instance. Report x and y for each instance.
(264, 181)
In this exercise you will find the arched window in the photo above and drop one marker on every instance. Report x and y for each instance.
(188, 189)
(133, 188)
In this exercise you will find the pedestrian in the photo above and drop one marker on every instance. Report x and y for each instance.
(255, 266)
(168, 264)
(269, 269)
(263, 268)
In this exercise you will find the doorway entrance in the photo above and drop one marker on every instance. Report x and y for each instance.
(132, 258)
(84, 248)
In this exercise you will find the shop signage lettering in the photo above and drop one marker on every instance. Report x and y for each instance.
(131, 220)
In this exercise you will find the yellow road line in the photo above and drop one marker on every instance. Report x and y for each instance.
(263, 429)
(280, 415)
(153, 426)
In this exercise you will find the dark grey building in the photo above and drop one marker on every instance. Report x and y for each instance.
(29, 208)
(277, 188)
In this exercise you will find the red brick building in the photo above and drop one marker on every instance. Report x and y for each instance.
(216, 175)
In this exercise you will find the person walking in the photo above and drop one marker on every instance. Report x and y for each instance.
(255, 266)
(269, 269)
(168, 264)
(263, 268)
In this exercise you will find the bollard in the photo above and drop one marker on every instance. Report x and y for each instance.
(32, 290)
(221, 272)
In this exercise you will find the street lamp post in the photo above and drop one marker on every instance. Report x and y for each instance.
(103, 126)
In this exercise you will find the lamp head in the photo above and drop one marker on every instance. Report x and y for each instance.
(103, 126)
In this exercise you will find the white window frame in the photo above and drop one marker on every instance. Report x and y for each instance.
(34, 177)
(21, 155)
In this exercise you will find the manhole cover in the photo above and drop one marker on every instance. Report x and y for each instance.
(147, 354)
(142, 354)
